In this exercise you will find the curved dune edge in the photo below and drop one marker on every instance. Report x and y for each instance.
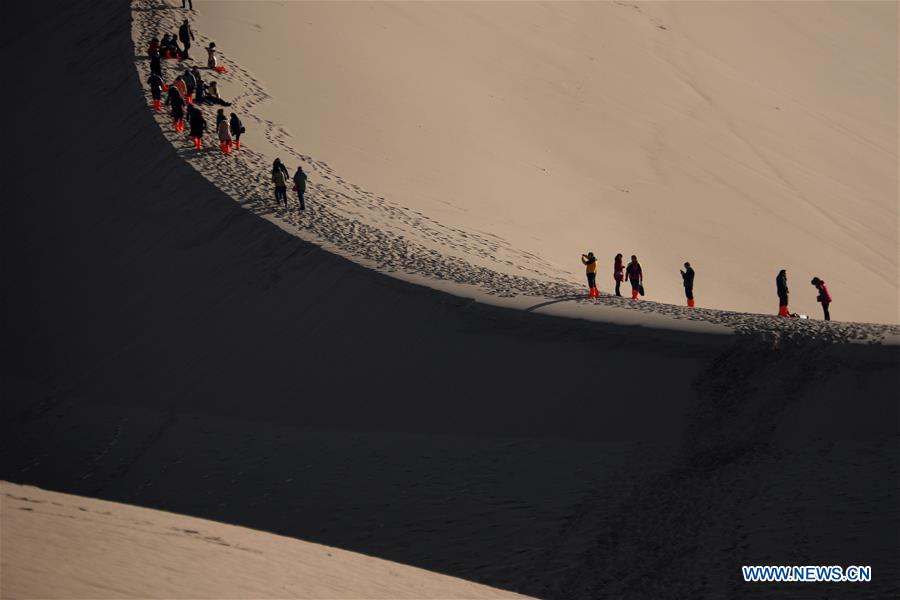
(63, 546)
(450, 260)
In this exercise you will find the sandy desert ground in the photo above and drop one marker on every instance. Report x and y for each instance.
(458, 137)
(175, 344)
(62, 546)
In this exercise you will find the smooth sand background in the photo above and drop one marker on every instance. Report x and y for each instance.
(744, 137)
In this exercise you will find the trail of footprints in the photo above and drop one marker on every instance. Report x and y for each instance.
(395, 238)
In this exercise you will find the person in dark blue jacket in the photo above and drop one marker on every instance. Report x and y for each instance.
(687, 278)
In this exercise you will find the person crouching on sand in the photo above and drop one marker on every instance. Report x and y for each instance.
(618, 273)
(687, 277)
(781, 288)
(824, 297)
(590, 267)
(635, 275)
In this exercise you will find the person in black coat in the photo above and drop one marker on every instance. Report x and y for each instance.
(198, 126)
(237, 128)
(177, 103)
(781, 288)
(300, 184)
(156, 64)
(687, 277)
(186, 36)
(156, 83)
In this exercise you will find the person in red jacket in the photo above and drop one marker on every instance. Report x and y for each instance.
(824, 297)
(618, 273)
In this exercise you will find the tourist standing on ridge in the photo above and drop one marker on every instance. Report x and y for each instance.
(237, 128)
(618, 273)
(280, 179)
(687, 277)
(635, 275)
(782, 288)
(590, 268)
(824, 297)
(300, 186)
(185, 35)
(198, 126)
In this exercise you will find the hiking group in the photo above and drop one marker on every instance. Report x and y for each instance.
(188, 90)
(634, 273)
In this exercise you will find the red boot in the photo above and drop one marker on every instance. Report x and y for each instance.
(157, 105)
(634, 294)
(783, 311)
(691, 302)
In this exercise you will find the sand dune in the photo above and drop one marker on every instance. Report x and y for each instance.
(61, 546)
(745, 137)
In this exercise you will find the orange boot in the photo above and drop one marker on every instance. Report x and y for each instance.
(691, 302)
(783, 311)
(157, 105)
(634, 294)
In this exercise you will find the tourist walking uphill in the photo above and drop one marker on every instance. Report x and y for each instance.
(781, 288)
(590, 267)
(280, 179)
(299, 186)
(824, 297)
(156, 89)
(635, 275)
(687, 278)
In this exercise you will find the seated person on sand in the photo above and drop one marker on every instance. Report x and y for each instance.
(170, 47)
(212, 95)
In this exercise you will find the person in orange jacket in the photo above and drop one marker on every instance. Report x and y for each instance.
(590, 266)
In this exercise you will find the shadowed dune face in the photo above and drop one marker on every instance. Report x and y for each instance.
(745, 137)
(166, 348)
